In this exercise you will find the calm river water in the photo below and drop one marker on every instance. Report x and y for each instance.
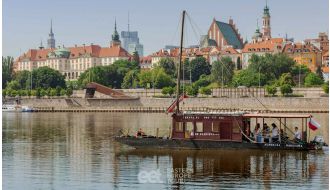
(77, 151)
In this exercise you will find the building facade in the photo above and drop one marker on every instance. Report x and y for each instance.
(73, 61)
(305, 54)
(222, 35)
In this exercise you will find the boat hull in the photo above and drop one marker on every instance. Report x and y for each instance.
(159, 143)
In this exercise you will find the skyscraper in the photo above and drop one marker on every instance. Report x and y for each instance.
(131, 41)
(51, 39)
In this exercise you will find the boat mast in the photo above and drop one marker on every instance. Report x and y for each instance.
(179, 66)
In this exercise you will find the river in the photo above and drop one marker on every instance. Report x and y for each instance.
(77, 151)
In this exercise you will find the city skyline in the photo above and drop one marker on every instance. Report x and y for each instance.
(154, 24)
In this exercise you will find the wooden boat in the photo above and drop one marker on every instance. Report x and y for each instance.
(219, 130)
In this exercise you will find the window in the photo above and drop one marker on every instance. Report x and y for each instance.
(199, 127)
(216, 127)
(189, 126)
(179, 127)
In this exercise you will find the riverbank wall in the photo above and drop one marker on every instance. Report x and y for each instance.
(287, 104)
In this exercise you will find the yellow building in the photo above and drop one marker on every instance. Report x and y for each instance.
(305, 54)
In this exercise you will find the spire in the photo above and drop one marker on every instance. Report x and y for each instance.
(51, 39)
(41, 46)
(115, 36)
(51, 26)
(115, 24)
(266, 10)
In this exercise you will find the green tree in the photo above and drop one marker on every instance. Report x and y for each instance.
(130, 79)
(198, 67)
(223, 71)
(272, 66)
(271, 89)
(7, 70)
(110, 76)
(24, 79)
(286, 78)
(286, 89)
(313, 79)
(13, 85)
(249, 78)
(145, 77)
(46, 77)
(204, 80)
(168, 65)
(161, 79)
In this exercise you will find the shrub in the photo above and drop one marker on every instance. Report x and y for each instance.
(63, 92)
(53, 92)
(4, 92)
(43, 92)
(69, 92)
(205, 91)
(168, 90)
(192, 90)
(286, 89)
(34, 93)
(325, 87)
(271, 89)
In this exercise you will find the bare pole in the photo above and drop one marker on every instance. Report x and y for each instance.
(179, 67)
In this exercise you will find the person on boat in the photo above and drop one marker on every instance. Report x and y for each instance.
(257, 131)
(275, 133)
(265, 132)
(297, 134)
(140, 133)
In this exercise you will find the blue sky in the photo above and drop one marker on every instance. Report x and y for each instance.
(25, 23)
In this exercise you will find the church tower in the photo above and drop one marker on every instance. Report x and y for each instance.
(115, 37)
(266, 31)
(51, 39)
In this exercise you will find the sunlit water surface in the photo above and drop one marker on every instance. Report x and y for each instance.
(77, 151)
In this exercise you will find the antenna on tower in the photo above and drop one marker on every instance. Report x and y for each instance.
(128, 22)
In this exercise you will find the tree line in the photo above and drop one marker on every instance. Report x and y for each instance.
(272, 71)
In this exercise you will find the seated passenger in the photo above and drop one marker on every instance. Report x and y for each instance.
(265, 132)
(275, 133)
(297, 134)
(140, 133)
(257, 131)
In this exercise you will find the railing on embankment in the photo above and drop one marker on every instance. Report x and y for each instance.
(163, 110)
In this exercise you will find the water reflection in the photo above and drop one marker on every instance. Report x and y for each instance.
(233, 168)
(77, 151)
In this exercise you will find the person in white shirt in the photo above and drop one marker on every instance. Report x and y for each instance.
(297, 134)
(275, 133)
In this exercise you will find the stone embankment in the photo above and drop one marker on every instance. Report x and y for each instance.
(144, 104)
